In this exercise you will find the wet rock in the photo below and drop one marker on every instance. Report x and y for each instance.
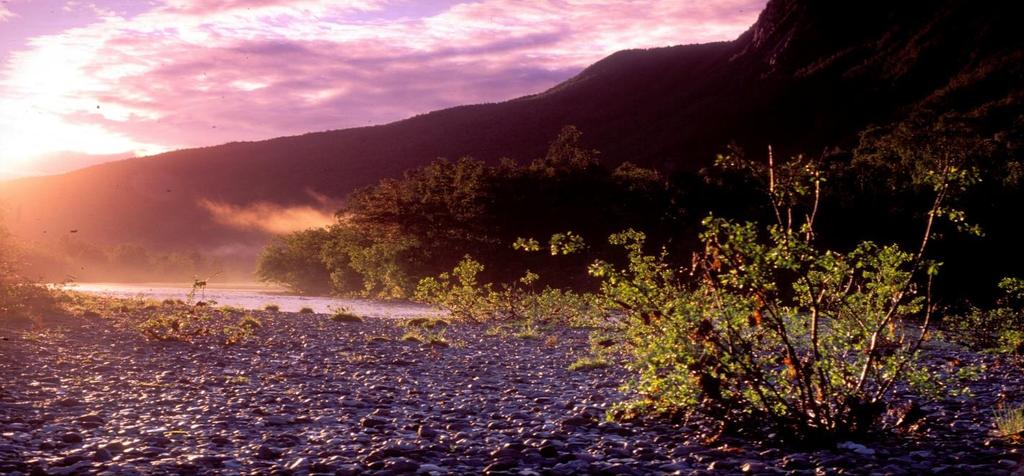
(266, 452)
(71, 437)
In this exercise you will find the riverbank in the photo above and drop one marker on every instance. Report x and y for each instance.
(307, 394)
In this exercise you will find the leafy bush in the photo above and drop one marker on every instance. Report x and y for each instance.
(1000, 328)
(20, 297)
(465, 298)
(766, 325)
(458, 292)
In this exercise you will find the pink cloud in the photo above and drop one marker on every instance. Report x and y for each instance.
(202, 72)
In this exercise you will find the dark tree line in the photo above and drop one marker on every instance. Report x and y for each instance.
(391, 234)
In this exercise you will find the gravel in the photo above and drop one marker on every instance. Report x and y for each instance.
(308, 395)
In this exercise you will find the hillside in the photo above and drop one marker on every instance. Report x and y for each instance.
(807, 75)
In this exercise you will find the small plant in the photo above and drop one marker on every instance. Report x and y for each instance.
(425, 323)
(495, 331)
(343, 315)
(180, 326)
(250, 322)
(412, 336)
(589, 363)
(1010, 422)
(307, 310)
(1000, 329)
(458, 291)
(272, 308)
(465, 298)
(528, 332)
(198, 290)
(242, 331)
(551, 341)
(428, 331)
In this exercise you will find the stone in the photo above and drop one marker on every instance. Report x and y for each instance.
(267, 452)
(856, 448)
(71, 437)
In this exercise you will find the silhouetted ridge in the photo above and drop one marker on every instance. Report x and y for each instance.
(808, 75)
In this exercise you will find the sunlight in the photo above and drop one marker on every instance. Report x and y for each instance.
(24, 140)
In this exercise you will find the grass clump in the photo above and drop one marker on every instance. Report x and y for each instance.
(306, 310)
(528, 332)
(412, 336)
(250, 322)
(272, 308)
(1010, 422)
(589, 363)
(346, 317)
(343, 314)
(426, 330)
(495, 331)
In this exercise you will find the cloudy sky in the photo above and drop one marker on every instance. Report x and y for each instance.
(136, 77)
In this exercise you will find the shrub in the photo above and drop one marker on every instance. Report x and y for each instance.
(272, 308)
(768, 327)
(458, 291)
(306, 310)
(465, 298)
(20, 297)
(1000, 328)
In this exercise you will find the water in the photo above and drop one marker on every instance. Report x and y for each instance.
(256, 296)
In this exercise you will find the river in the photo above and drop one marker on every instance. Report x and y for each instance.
(256, 296)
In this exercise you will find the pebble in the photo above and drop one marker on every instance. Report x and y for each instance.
(309, 396)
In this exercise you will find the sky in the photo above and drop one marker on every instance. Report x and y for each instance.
(110, 79)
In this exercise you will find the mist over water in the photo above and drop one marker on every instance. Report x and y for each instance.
(255, 297)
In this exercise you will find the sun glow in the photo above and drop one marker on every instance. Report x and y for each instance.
(43, 109)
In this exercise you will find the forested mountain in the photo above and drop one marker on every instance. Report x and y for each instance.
(807, 75)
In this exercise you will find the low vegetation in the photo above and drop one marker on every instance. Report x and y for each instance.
(589, 363)
(1000, 328)
(21, 299)
(425, 330)
(391, 235)
(1010, 422)
(344, 315)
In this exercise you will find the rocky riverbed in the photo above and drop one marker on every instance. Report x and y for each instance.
(89, 395)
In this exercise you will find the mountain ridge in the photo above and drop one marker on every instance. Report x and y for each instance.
(807, 75)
